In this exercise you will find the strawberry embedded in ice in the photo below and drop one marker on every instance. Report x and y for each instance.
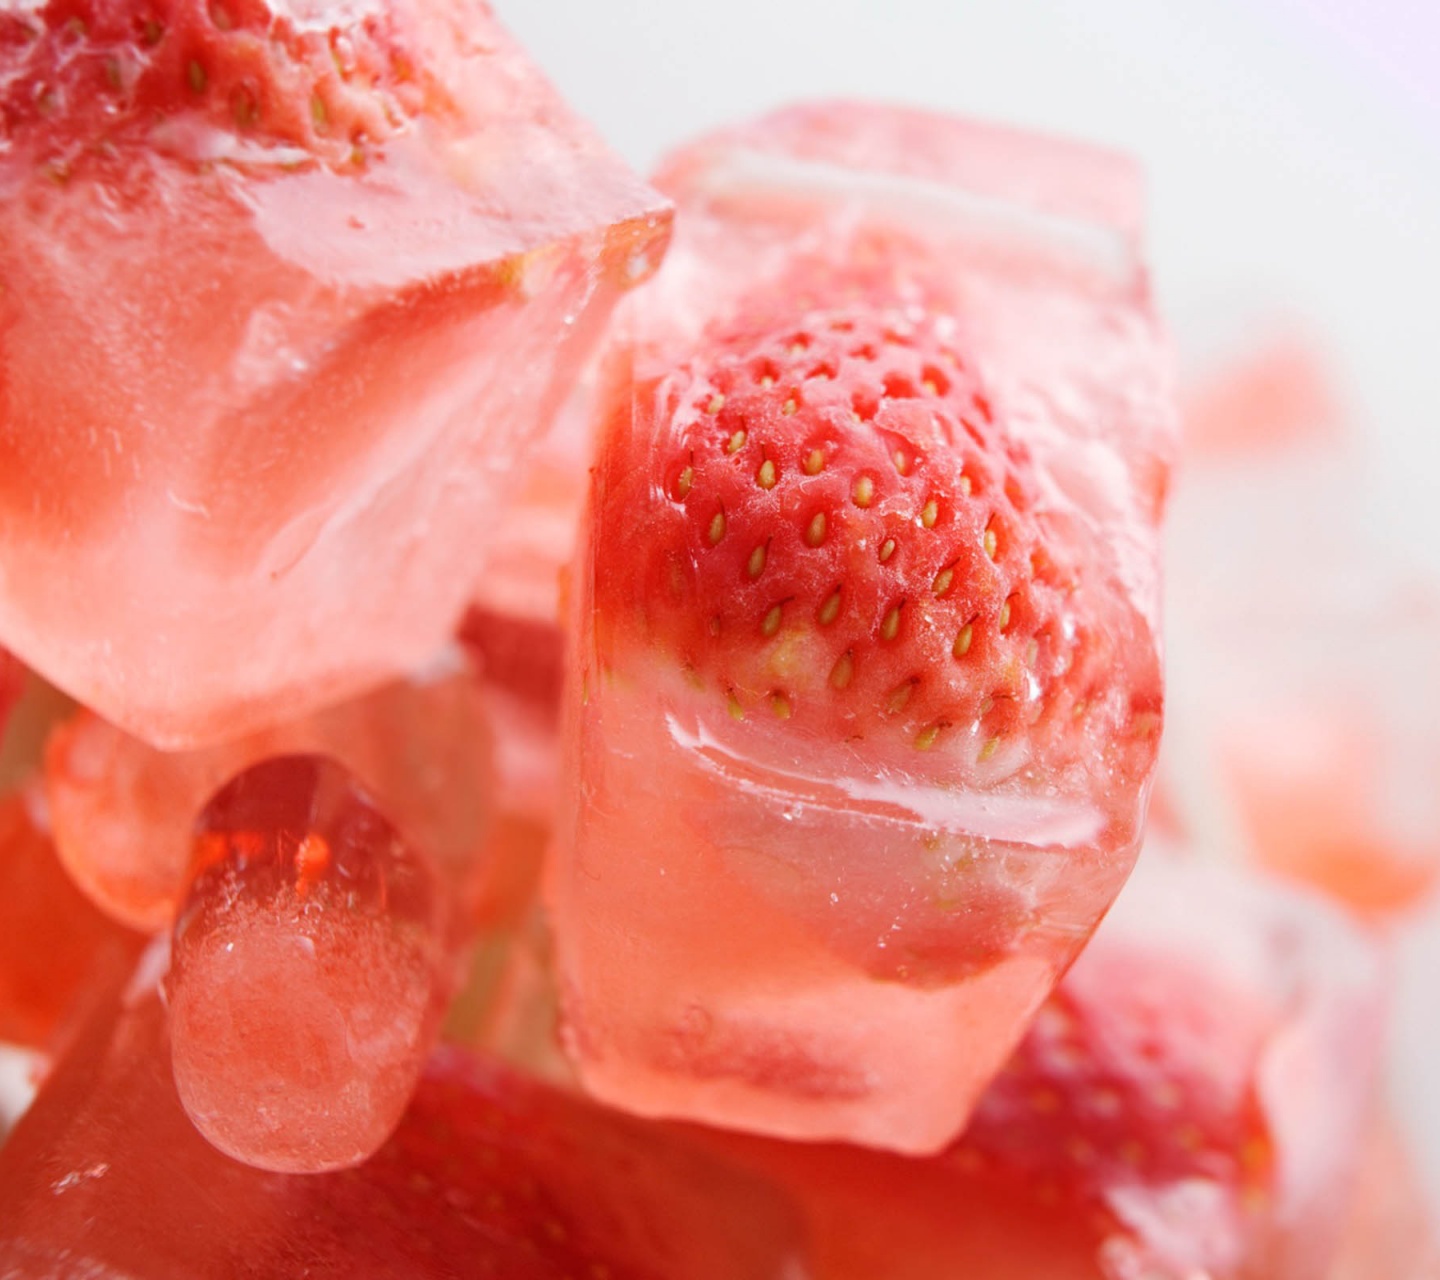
(290, 292)
(308, 969)
(1289, 742)
(1191, 1101)
(865, 678)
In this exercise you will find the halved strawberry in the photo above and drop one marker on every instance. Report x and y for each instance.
(321, 80)
(825, 521)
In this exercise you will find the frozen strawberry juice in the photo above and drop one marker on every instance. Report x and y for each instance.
(865, 690)
(287, 294)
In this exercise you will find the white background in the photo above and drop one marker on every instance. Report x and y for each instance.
(1293, 150)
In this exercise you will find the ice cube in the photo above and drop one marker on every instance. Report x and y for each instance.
(279, 331)
(1192, 1101)
(1304, 727)
(865, 687)
(309, 969)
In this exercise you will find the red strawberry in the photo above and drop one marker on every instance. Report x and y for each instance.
(827, 522)
(1139, 1075)
(323, 81)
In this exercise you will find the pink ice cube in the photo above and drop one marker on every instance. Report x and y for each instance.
(264, 387)
(831, 843)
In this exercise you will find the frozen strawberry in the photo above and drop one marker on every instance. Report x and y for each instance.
(865, 690)
(1191, 1102)
(847, 541)
(54, 944)
(289, 291)
(123, 811)
(488, 1175)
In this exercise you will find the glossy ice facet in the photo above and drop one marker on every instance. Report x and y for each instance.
(487, 1175)
(266, 376)
(309, 969)
(770, 911)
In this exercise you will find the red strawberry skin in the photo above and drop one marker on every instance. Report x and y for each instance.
(867, 683)
(826, 525)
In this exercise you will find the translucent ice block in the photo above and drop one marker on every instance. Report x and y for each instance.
(1191, 1104)
(264, 383)
(488, 1175)
(123, 811)
(309, 969)
(801, 903)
